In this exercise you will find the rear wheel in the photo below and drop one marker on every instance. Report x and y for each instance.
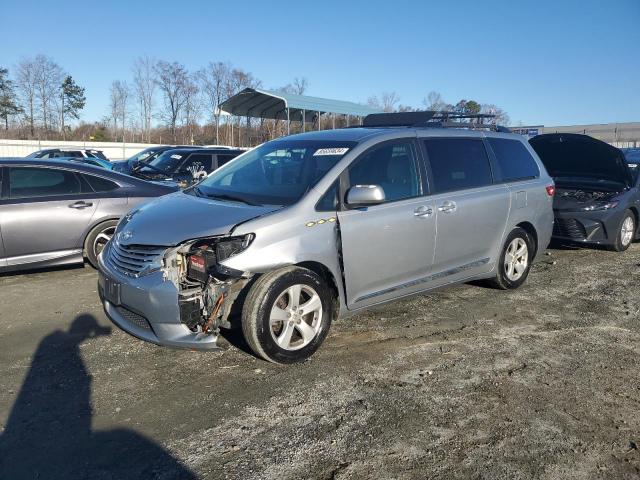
(626, 232)
(97, 239)
(515, 260)
(287, 315)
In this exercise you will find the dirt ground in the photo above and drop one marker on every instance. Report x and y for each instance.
(467, 382)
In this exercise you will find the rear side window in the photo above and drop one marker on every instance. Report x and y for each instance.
(99, 184)
(458, 163)
(41, 182)
(196, 163)
(391, 166)
(514, 160)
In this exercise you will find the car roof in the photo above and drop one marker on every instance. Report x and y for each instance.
(358, 134)
(204, 150)
(77, 166)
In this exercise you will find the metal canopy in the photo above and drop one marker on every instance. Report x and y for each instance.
(253, 102)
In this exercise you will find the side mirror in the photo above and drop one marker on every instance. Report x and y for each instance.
(365, 195)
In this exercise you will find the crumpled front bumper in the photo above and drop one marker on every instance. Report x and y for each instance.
(147, 308)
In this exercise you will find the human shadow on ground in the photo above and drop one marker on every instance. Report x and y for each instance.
(49, 435)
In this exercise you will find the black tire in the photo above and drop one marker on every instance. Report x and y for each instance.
(619, 246)
(501, 280)
(91, 247)
(260, 300)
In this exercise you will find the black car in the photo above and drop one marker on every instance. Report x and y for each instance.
(597, 197)
(185, 166)
(145, 156)
(68, 153)
(56, 212)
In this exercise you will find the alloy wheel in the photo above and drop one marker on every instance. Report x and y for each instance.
(516, 259)
(296, 317)
(626, 231)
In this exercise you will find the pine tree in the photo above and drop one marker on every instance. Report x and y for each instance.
(73, 100)
(8, 104)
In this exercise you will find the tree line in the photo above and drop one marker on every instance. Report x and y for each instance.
(164, 102)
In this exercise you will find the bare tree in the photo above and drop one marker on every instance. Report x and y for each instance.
(387, 101)
(48, 81)
(501, 117)
(119, 106)
(26, 85)
(239, 79)
(435, 102)
(144, 84)
(298, 87)
(171, 79)
(213, 80)
(192, 105)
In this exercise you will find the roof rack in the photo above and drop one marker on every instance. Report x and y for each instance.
(430, 118)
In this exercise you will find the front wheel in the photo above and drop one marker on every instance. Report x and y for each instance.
(515, 260)
(626, 232)
(287, 315)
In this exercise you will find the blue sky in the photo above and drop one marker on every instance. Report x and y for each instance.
(544, 61)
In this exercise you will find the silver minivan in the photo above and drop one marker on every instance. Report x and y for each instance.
(308, 228)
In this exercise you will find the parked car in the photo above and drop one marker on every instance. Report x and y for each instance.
(142, 157)
(306, 228)
(631, 155)
(184, 166)
(95, 161)
(58, 212)
(597, 195)
(64, 152)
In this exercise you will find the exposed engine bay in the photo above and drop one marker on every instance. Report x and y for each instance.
(207, 290)
(585, 196)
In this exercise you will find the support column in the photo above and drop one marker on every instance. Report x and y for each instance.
(333, 120)
(318, 120)
(304, 120)
(288, 122)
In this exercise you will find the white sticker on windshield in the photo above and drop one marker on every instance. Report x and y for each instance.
(633, 165)
(177, 157)
(331, 151)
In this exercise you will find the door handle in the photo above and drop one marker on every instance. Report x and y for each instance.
(422, 211)
(80, 205)
(447, 207)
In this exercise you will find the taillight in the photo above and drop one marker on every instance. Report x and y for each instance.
(551, 190)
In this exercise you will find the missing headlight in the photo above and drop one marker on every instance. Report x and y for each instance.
(204, 257)
(232, 246)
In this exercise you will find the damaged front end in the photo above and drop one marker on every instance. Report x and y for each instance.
(207, 290)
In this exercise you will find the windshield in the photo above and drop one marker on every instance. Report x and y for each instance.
(276, 173)
(167, 161)
(632, 157)
(143, 155)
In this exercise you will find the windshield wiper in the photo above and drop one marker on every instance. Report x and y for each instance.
(224, 196)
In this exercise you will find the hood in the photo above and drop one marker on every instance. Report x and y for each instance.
(581, 156)
(179, 217)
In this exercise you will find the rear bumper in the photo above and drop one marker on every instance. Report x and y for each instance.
(147, 308)
(596, 228)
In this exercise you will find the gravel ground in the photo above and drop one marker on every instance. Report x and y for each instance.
(467, 382)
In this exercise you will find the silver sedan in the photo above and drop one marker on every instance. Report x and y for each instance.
(58, 213)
